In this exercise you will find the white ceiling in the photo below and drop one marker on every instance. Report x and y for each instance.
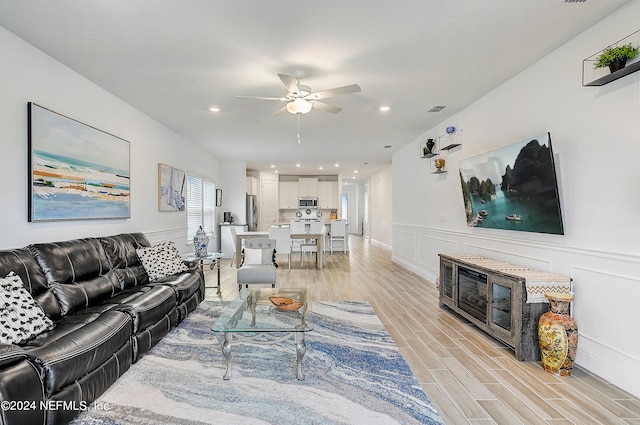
(173, 60)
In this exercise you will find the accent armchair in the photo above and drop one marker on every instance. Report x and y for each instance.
(258, 263)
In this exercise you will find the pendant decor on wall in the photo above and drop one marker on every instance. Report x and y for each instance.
(558, 334)
(201, 242)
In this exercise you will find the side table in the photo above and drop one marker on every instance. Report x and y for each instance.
(193, 261)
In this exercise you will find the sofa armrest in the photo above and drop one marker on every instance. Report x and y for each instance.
(21, 390)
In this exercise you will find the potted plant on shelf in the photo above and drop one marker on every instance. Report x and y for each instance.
(616, 57)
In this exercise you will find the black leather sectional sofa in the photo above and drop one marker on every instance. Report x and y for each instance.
(107, 315)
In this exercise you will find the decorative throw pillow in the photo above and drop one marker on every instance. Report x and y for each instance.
(258, 256)
(161, 260)
(252, 256)
(21, 317)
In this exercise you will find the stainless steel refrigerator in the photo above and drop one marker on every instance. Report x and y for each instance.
(252, 213)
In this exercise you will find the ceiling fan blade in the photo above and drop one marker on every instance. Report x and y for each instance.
(261, 98)
(325, 107)
(338, 91)
(280, 111)
(290, 83)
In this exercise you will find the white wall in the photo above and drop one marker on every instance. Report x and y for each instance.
(596, 140)
(233, 182)
(28, 75)
(381, 211)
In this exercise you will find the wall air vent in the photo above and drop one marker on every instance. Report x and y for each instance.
(436, 108)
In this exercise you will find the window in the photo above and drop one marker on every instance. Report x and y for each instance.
(201, 201)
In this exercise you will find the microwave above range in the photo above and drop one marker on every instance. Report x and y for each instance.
(308, 202)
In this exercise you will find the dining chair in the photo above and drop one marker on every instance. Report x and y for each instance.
(282, 236)
(310, 245)
(296, 227)
(232, 232)
(338, 233)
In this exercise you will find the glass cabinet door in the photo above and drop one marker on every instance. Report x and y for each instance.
(446, 280)
(501, 306)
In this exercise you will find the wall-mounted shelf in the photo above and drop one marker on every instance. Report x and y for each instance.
(451, 146)
(434, 151)
(599, 77)
(425, 151)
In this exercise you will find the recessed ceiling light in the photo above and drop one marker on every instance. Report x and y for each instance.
(276, 171)
(321, 168)
(355, 171)
(298, 165)
(353, 178)
(337, 165)
(214, 109)
(384, 108)
(272, 166)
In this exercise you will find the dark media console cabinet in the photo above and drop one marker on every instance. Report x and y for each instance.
(504, 300)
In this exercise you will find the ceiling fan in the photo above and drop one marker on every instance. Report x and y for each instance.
(301, 100)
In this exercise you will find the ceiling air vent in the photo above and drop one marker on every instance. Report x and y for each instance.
(436, 108)
(561, 2)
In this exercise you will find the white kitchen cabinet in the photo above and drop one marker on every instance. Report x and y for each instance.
(308, 186)
(288, 195)
(328, 194)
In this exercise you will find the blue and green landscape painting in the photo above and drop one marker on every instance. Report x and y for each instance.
(77, 171)
(513, 188)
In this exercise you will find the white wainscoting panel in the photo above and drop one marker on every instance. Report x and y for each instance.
(606, 286)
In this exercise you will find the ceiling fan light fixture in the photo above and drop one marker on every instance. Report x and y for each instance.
(299, 106)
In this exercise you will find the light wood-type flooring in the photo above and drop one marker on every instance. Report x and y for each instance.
(470, 377)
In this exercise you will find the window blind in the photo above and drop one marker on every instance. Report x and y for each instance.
(201, 194)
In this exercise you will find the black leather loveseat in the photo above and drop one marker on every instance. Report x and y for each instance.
(106, 315)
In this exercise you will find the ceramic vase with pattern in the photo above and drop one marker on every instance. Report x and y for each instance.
(558, 335)
(201, 242)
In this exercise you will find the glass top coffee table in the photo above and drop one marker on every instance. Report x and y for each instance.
(267, 316)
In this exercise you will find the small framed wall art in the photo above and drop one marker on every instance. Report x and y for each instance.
(171, 188)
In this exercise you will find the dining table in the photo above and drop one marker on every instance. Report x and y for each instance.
(316, 238)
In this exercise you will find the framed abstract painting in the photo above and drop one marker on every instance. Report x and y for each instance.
(76, 172)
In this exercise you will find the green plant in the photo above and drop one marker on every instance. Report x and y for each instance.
(614, 54)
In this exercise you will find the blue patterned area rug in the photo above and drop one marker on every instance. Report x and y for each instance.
(355, 374)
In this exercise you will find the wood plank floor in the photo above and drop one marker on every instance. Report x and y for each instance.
(471, 378)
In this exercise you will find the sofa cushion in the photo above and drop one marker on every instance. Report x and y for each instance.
(121, 249)
(78, 295)
(147, 308)
(21, 262)
(21, 318)
(184, 284)
(76, 346)
(121, 252)
(71, 261)
(161, 260)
